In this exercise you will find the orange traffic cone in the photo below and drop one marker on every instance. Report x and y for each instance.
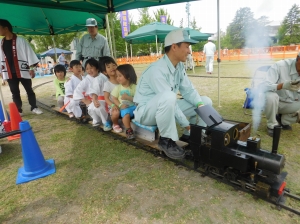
(15, 119)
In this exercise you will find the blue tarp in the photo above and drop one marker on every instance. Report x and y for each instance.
(51, 52)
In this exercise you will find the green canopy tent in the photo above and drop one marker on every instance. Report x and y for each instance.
(151, 33)
(197, 35)
(44, 21)
(93, 6)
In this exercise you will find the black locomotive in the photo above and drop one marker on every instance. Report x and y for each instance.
(219, 152)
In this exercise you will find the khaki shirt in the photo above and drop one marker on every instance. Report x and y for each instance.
(89, 47)
(282, 71)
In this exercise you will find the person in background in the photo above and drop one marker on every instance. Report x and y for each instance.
(50, 67)
(17, 63)
(156, 95)
(93, 44)
(282, 87)
(62, 59)
(59, 83)
(209, 50)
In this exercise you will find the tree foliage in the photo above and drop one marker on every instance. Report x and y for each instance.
(193, 24)
(44, 42)
(246, 31)
(162, 12)
(289, 31)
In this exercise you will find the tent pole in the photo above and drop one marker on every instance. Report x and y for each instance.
(109, 36)
(218, 12)
(113, 35)
(126, 50)
(54, 48)
(106, 34)
(131, 52)
(156, 46)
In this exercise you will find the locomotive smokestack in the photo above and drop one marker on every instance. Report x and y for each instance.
(276, 137)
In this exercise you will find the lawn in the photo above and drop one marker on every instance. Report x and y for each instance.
(99, 179)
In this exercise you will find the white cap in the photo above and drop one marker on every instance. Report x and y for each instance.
(210, 38)
(178, 36)
(91, 22)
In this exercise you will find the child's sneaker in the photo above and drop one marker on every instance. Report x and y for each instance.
(107, 126)
(36, 111)
(129, 133)
(71, 115)
(117, 128)
(96, 124)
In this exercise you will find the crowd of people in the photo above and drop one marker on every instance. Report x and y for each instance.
(110, 92)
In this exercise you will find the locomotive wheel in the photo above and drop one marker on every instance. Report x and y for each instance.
(230, 176)
(214, 171)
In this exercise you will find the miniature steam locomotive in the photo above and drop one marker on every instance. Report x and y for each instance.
(216, 148)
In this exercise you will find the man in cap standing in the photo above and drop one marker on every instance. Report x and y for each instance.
(93, 44)
(209, 50)
(156, 95)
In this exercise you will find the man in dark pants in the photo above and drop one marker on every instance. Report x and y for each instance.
(17, 61)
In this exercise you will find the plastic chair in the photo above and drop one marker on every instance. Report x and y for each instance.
(257, 80)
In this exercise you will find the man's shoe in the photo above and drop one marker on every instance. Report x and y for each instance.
(185, 138)
(170, 148)
(270, 132)
(284, 127)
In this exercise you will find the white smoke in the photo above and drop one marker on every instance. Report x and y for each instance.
(258, 43)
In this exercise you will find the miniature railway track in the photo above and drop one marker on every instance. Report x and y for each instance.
(186, 163)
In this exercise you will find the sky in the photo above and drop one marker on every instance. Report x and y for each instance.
(205, 11)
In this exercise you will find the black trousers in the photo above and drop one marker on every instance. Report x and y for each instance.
(15, 90)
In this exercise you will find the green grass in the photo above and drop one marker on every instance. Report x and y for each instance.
(102, 180)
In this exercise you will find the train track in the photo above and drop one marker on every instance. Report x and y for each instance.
(186, 163)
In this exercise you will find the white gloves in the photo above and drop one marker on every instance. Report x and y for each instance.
(291, 85)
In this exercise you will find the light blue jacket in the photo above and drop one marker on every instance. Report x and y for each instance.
(161, 76)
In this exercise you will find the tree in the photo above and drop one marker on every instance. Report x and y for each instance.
(289, 31)
(162, 12)
(44, 42)
(145, 17)
(193, 25)
(258, 35)
(181, 23)
(240, 27)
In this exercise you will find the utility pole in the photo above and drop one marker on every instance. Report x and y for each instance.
(187, 10)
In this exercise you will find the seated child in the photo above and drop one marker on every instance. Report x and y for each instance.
(72, 106)
(108, 66)
(59, 81)
(122, 96)
(98, 109)
(81, 92)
